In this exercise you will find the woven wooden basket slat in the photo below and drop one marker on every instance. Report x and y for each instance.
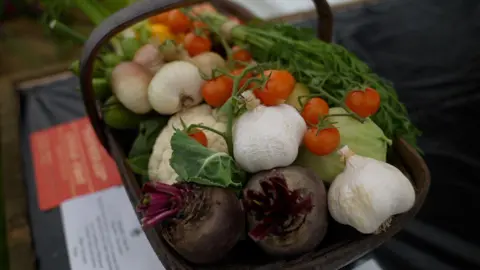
(333, 255)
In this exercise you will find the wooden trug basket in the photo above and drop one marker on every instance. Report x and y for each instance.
(342, 244)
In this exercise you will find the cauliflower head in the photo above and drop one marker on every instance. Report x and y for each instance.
(159, 168)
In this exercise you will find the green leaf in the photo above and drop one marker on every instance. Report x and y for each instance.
(139, 164)
(195, 163)
(149, 130)
(111, 60)
(101, 88)
(130, 46)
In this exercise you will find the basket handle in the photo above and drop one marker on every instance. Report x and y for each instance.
(137, 12)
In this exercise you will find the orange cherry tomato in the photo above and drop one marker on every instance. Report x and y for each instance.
(195, 44)
(199, 136)
(314, 109)
(178, 22)
(322, 142)
(161, 18)
(244, 79)
(279, 86)
(364, 103)
(217, 91)
(240, 54)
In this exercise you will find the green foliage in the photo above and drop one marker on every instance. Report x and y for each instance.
(143, 145)
(194, 162)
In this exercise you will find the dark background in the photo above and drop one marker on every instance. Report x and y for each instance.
(430, 49)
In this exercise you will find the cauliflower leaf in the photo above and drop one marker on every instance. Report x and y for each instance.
(148, 133)
(195, 163)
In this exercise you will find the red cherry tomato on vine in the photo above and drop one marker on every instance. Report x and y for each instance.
(314, 109)
(364, 103)
(178, 22)
(322, 142)
(241, 54)
(196, 45)
(161, 18)
(279, 86)
(201, 26)
(217, 91)
(199, 136)
(235, 19)
(201, 8)
(244, 79)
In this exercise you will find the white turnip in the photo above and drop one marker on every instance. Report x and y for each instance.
(130, 85)
(150, 57)
(201, 223)
(207, 62)
(286, 210)
(176, 85)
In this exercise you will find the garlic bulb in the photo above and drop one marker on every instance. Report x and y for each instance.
(368, 193)
(267, 137)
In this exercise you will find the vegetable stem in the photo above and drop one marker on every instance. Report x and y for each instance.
(159, 202)
(324, 93)
(329, 70)
(193, 126)
(91, 10)
(63, 29)
(231, 105)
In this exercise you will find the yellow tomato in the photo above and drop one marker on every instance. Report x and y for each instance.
(161, 32)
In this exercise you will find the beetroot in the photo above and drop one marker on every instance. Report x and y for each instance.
(201, 223)
(286, 210)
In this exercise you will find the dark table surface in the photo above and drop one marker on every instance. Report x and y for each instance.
(430, 50)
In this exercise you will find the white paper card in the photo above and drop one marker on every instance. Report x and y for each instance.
(102, 232)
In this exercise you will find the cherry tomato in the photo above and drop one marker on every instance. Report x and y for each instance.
(322, 143)
(279, 86)
(201, 26)
(179, 38)
(217, 91)
(178, 22)
(195, 44)
(205, 7)
(240, 54)
(314, 109)
(363, 103)
(244, 79)
(235, 19)
(199, 136)
(161, 18)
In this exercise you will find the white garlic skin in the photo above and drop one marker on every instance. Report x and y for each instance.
(367, 193)
(268, 137)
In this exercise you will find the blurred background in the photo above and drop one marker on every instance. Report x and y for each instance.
(430, 49)
(25, 26)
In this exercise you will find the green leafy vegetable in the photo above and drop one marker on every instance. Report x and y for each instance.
(139, 164)
(147, 135)
(195, 163)
(142, 146)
